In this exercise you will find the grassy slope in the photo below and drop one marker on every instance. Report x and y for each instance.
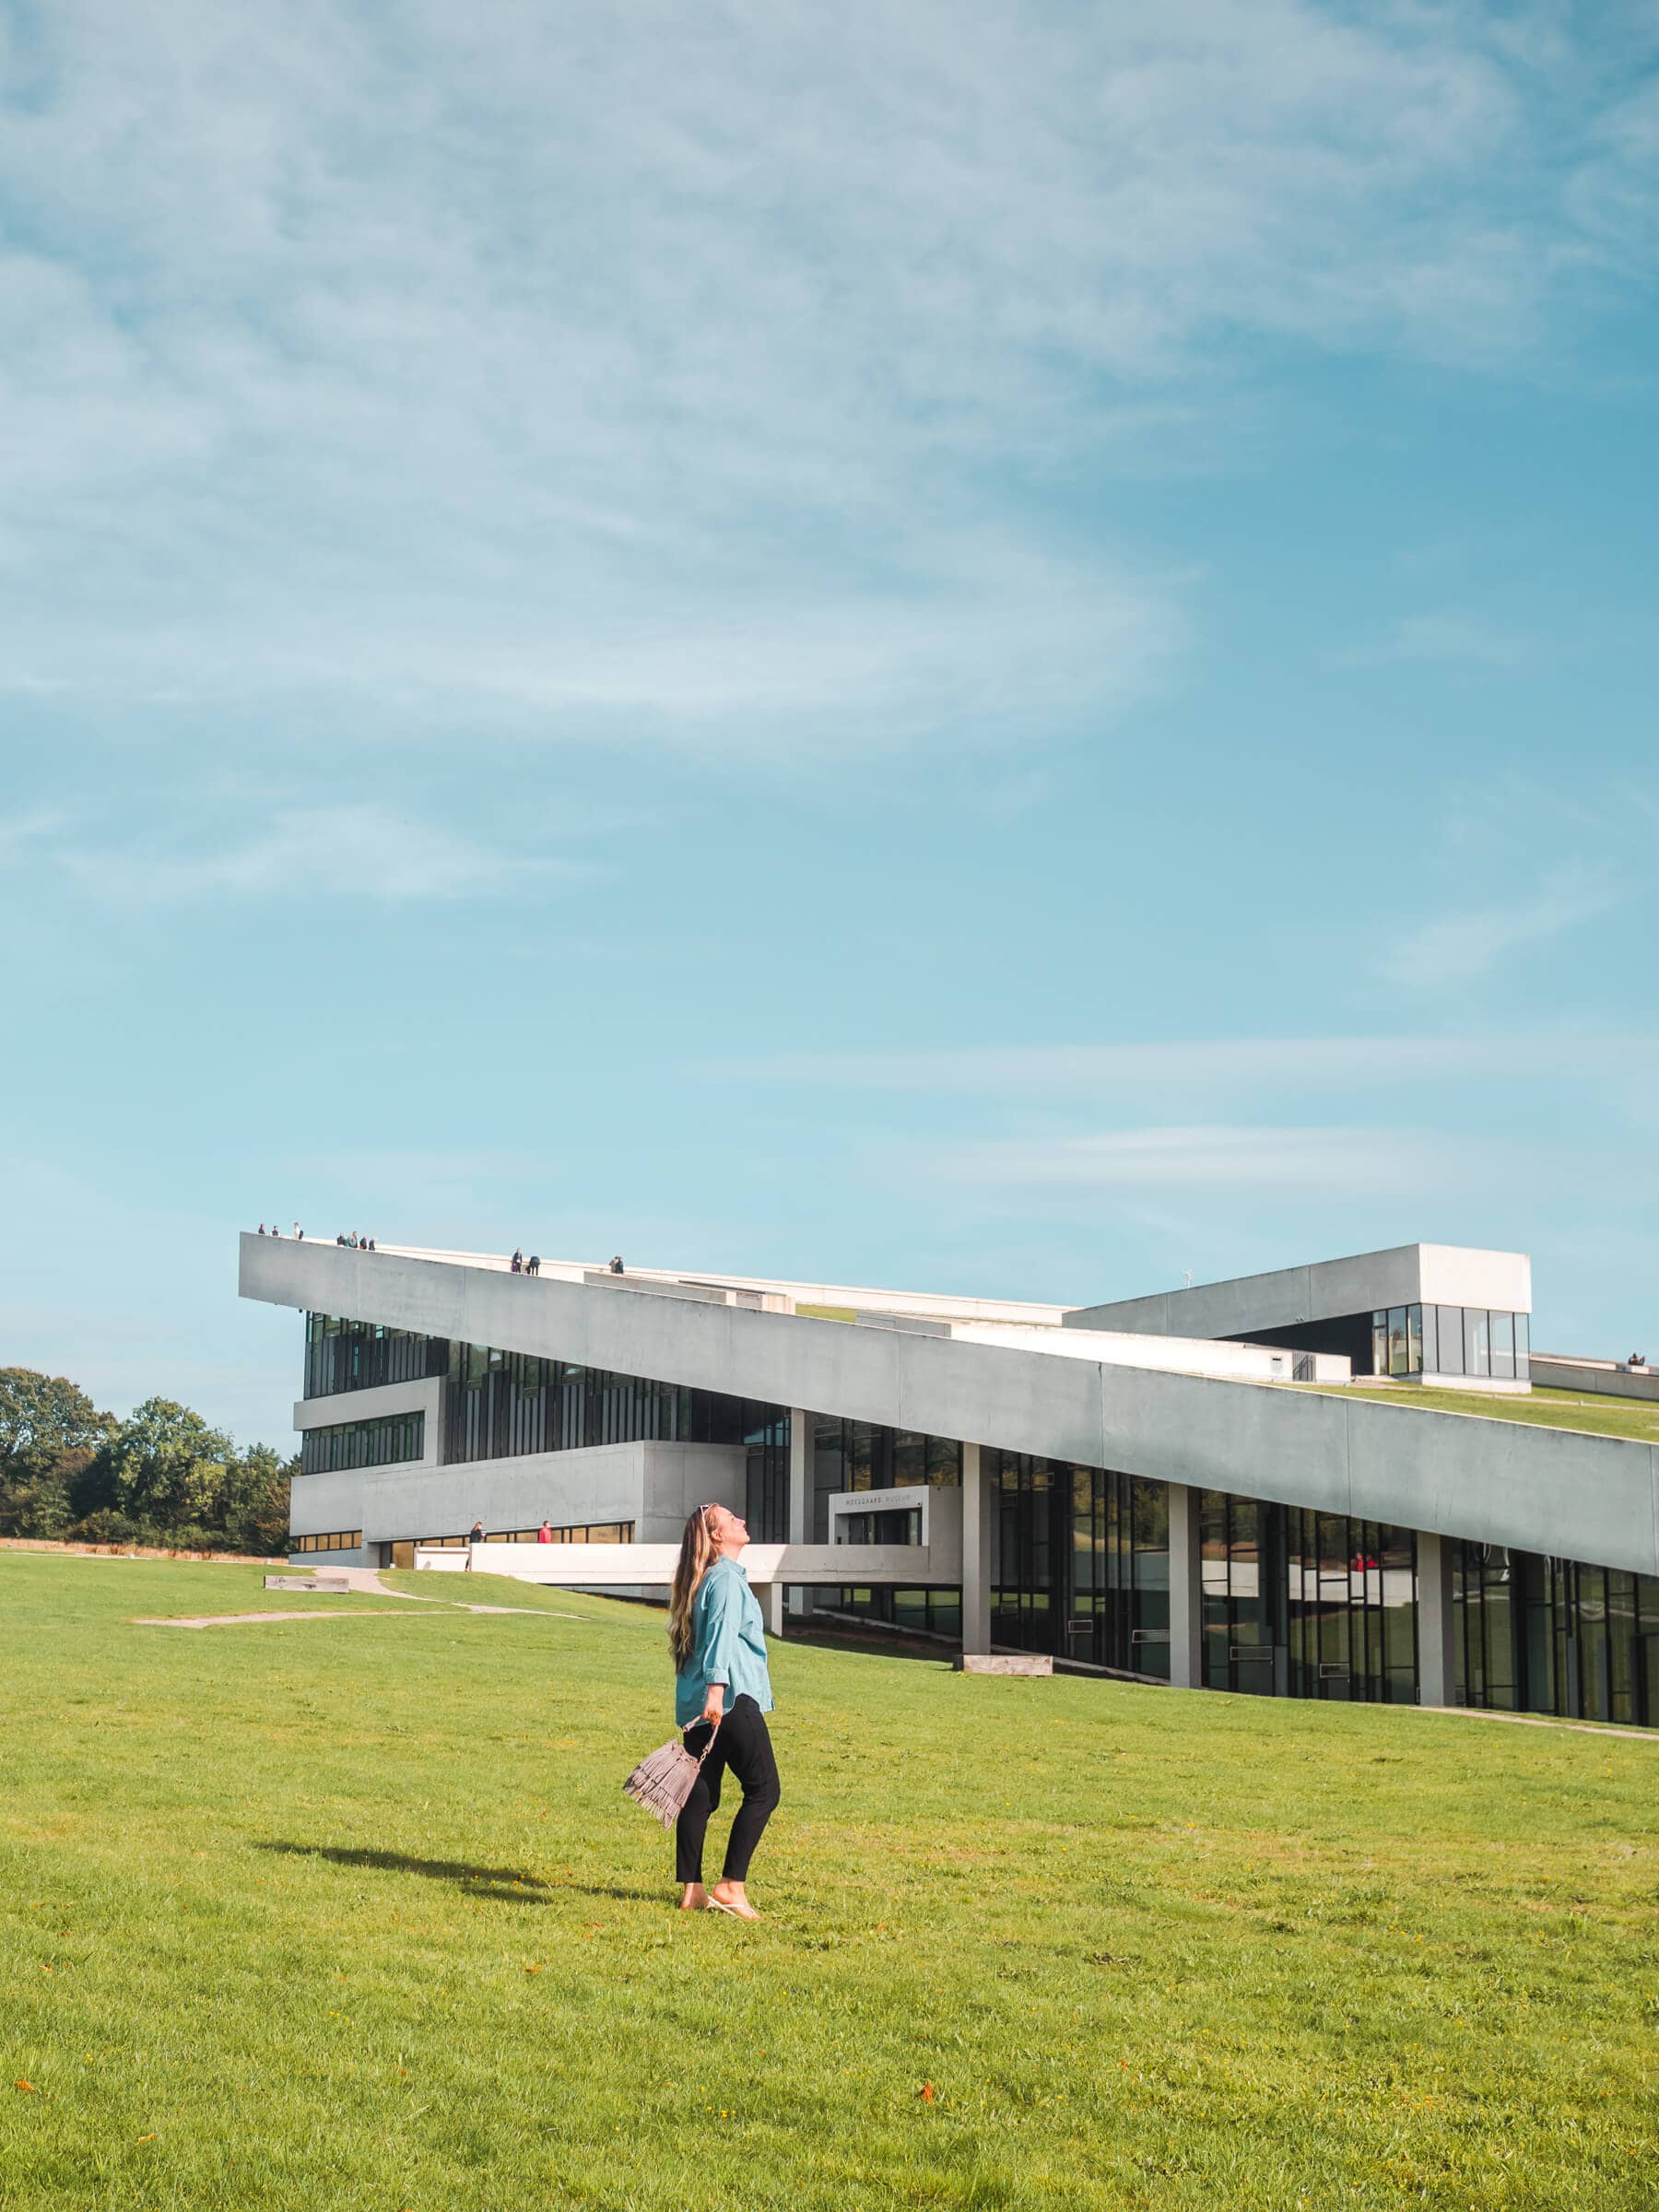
(1545, 1409)
(357, 1916)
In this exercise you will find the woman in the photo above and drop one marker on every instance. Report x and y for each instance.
(722, 1689)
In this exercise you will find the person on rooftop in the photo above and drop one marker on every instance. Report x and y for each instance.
(615, 1265)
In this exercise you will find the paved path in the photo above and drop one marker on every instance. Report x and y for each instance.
(240, 1620)
(237, 1621)
(1543, 1720)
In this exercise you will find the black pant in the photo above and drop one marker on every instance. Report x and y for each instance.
(743, 1745)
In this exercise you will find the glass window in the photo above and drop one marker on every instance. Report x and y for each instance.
(945, 1463)
(1431, 1365)
(1477, 1358)
(910, 1460)
(1502, 1333)
(1396, 1340)
(1379, 1343)
(1451, 1343)
(1414, 1339)
(1523, 1345)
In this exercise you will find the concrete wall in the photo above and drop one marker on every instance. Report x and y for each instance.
(347, 1406)
(1582, 1497)
(941, 1511)
(639, 1567)
(653, 1485)
(1182, 1355)
(1446, 1275)
(1554, 1372)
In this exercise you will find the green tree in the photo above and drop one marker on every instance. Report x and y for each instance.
(254, 1506)
(50, 1432)
(163, 1466)
(43, 1417)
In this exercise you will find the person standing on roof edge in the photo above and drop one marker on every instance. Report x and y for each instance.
(722, 1689)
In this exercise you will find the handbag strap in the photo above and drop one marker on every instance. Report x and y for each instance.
(710, 1745)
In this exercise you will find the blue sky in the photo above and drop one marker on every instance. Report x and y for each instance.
(995, 647)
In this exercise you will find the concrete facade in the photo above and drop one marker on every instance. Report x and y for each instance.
(1607, 1378)
(653, 1486)
(1535, 1489)
(1443, 1275)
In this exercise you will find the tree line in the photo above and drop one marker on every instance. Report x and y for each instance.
(161, 1476)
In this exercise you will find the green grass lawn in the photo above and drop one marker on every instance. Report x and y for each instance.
(353, 1913)
(1545, 1409)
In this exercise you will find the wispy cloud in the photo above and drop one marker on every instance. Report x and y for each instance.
(1321, 1161)
(503, 362)
(1448, 638)
(31, 827)
(363, 851)
(1201, 1065)
(1468, 943)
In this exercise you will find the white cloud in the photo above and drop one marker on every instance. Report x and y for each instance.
(1465, 945)
(1225, 1159)
(1202, 1066)
(27, 829)
(1446, 637)
(644, 373)
(365, 850)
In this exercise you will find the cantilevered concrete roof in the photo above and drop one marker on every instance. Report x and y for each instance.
(1406, 1274)
(1537, 1489)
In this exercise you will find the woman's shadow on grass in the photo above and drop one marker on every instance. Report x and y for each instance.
(505, 1883)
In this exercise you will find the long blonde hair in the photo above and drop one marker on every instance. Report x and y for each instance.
(696, 1556)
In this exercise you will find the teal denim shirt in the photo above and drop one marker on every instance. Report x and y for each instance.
(728, 1645)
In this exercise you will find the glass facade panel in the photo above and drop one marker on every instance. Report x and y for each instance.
(503, 1404)
(1524, 1347)
(858, 1455)
(378, 1443)
(1543, 1635)
(339, 1539)
(1501, 1330)
(1350, 1607)
(1083, 1563)
(1477, 1358)
(1379, 1342)
(1240, 1627)
(926, 1612)
(1414, 1339)
(1431, 1365)
(361, 1355)
(1451, 1343)
(1396, 1340)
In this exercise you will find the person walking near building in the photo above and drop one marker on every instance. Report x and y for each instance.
(722, 1691)
(544, 1534)
(516, 1264)
(474, 1536)
(532, 1264)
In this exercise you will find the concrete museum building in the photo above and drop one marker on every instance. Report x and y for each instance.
(1184, 1486)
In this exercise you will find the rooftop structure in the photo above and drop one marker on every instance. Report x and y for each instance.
(1436, 1313)
(1127, 1487)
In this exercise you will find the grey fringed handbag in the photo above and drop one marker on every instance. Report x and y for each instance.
(663, 1783)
